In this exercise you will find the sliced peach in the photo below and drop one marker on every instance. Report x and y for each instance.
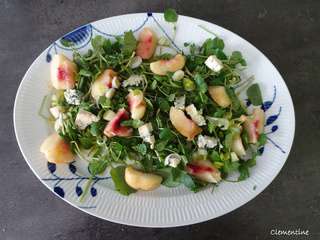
(204, 170)
(114, 127)
(237, 146)
(162, 67)
(102, 83)
(63, 72)
(147, 43)
(137, 104)
(254, 124)
(219, 95)
(56, 149)
(184, 125)
(141, 180)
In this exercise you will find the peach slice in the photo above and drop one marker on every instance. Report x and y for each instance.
(102, 83)
(147, 43)
(114, 127)
(56, 149)
(137, 104)
(204, 170)
(219, 95)
(184, 125)
(161, 67)
(254, 124)
(63, 72)
(140, 180)
(237, 146)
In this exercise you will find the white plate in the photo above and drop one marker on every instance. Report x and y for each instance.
(164, 207)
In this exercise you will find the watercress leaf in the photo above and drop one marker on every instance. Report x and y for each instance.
(244, 172)
(170, 15)
(97, 166)
(254, 94)
(236, 104)
(170, 176)
(218, 43)
(98, 42)
(129, 43)
(160, 145)
(96, 128)
(86, 142)
(85, 73)
(166, 134)
(66, 42)
(236, 58)
(214, 156)
(140, 148)
(229, 166)
(262, 140)
(200, 82)
(188, 181)
(164, 105)
(117, 175)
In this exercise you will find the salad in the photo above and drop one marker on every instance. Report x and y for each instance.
(152, 115)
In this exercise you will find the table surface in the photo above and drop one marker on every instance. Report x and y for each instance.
(286, 31)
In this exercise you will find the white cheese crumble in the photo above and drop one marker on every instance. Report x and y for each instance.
(180, 102)
(172, 160)
(206, 142)
(178, 75)
(195, 115)
(145, 132)
(135, 62)
(214, 63)
(72, 96)
(84, 119)
(133, 80)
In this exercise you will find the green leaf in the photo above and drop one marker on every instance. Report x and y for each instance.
(166, 134)
(135, 123)
(170, 15)
(117, 175)
(161, 145)
(97, 166)
(244, 172)
(66, 43)
(170, 176)
(98, 42)
(200, 82)
(236, 104)
(229, 166)
(214, 156)
(187, 181)
(96, 128)
(213, 47)
(254, 94)
(164, 105)
(236, 58)
(86, 142)
(129, 43)
(262, 139)
(140, 148)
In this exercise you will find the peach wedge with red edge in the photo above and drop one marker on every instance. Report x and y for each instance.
(141, 181)
(114, 127)
(147, 43)
(63, 72)
(219, 95)
(137, 104)
(204, 171)
(102, 83)
(162, 67)
(56, 149)
(254, 125)
(183, 125)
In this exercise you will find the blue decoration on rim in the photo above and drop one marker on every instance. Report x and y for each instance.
(57, 188)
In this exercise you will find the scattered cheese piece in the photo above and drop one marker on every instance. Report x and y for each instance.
(178, 75)
(84, 119)
(206, 142)
(195, 115)
(133, 80)
(214, 63)
(180, 102)
(172, 160)
(72, 96)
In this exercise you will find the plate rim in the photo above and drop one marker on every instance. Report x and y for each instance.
(179, 223)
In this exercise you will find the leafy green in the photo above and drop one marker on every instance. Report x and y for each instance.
(201, 84)
(96, 128)
(117, 175)
(254, 94)
(170, 15)
(262, 140)
(166, 134)
(129, 43)
(236, 58)
(97, 166)
(141, 148)
(135, 123)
